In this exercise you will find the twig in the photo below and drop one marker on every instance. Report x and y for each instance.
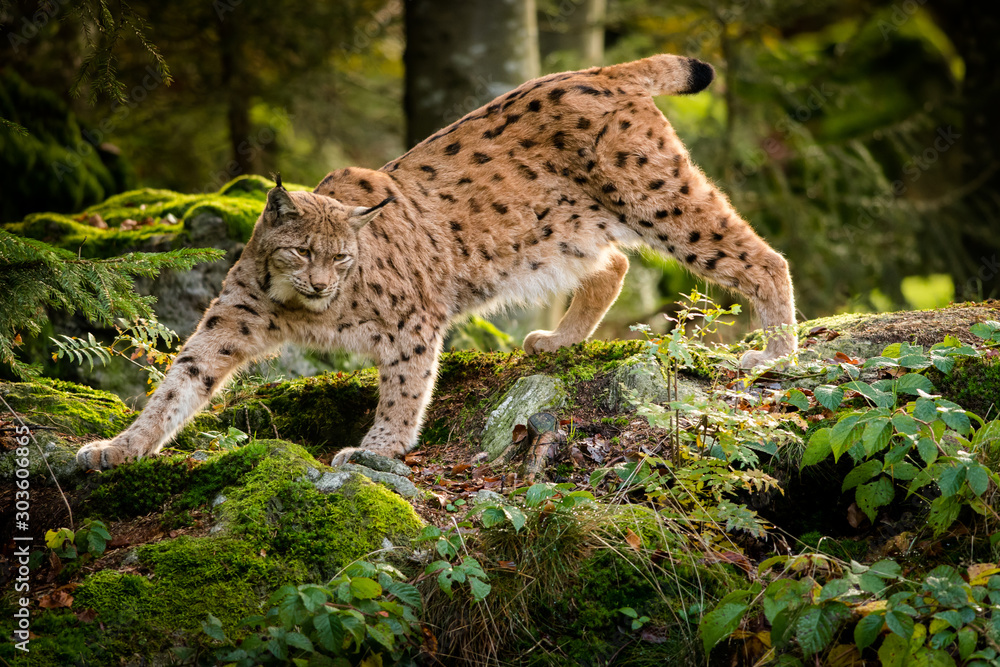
(44, 458)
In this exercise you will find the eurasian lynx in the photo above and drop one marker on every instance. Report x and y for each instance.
(533, 193)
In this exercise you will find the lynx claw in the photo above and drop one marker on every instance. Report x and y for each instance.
(541, 341)
(344, 456)
(99, 455)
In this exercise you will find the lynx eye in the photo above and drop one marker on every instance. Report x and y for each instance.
(339, 257)
(303, 251)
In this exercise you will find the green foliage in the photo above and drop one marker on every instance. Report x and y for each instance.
(812, 600)
(134, 341)
(90, 539)
(50, 165)
(37, 276)
(894, 440)
(368, 613)
(225, 442)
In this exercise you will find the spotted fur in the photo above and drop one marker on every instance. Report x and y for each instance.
(531, 194)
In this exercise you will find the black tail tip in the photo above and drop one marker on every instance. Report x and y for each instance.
(699, 76)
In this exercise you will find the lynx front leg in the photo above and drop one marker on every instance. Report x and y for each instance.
(405, 386)
(203, 365)
(590, 302)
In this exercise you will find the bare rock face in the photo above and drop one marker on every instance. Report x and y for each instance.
(531, 394)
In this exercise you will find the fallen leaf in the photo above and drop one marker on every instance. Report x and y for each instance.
(817, 330)
(520, 433)
(577, 457)
(653, 634)
(87, 615)
(832, 335)
(633, 540)
(843, 358)
(507, 564)
(732, 557)
(97, 221)
(979, 573)
(844, 655)
(118, 541)
(460, 468)
(56, 600)
(855, 516)
(871, 607)
(430, 644)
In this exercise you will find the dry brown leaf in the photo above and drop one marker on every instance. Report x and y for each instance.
(520, 433)
(633, 540)
(855, 516)
(87, 615)
(56, 600)
(460, 468)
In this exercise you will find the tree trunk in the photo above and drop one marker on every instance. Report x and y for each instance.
(973, 32)
(571, 34)
(461, 55)
(237, 98)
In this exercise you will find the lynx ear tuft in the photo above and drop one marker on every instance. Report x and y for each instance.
(279, 206)
(362, 215)
(277, 180)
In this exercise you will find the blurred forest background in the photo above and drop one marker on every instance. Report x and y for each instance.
(857, 136)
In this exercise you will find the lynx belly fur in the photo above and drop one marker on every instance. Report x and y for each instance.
(533, 193)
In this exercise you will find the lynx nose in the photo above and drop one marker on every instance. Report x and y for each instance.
(319, 286)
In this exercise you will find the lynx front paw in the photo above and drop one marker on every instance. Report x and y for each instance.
(755, 358)
(543, 341)
(100, 455)
(345, 455)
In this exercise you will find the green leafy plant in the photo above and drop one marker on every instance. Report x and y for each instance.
(91, 539)
(813, 600)
(136, 340)
(923, 441)
(37, 276)
(366, 613)
(225, 442)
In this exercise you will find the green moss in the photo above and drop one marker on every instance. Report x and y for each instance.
(147, 485)
(65, 232)
(219, 575)
(117, 597)
(277, 510)
(331, 409)
(974, 383)
(239, 204)
(62, 639)
(68, 407)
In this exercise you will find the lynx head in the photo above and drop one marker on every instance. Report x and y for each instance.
(306, 245)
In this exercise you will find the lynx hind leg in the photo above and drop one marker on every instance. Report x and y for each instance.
(722, 248)
(648, 180)
(591, 301)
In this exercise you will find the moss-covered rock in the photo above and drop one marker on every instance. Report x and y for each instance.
(640, 380)
(974, 383)
(69, 408)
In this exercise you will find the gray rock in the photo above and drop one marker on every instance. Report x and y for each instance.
(199, 455)
(398, 483)
(60, 455)
(380, 463)
(486, 496)
(641, 380)
(531, 394)
(218, 500)
(330, 482)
